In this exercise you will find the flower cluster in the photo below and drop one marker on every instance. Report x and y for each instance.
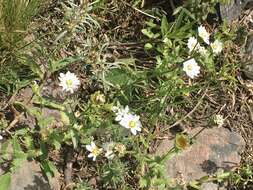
(219, 120)
(69, 83)
(191, 66)
(127, 119)
(109, 149)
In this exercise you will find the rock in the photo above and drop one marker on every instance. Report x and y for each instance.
(248, 66)
(232, 11)
(29, 177)
(248, 71)
(212, 150)
(209, 186)
(24, 96)
(52, 90)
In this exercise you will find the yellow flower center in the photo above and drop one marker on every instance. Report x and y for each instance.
(189, 67)
(69, 83)
(96, 151)
(132, 124)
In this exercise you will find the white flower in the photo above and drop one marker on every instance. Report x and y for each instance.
(94, 150)
(202, 50)
(108, 147)
(191, 68)
(219, 120)
(192, 43)
(203, 34)
(120, 113)
(216, 46)
(1, 137)
(131, 122)
(69, 81)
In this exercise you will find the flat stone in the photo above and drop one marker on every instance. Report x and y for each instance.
(212, 150)
(209, 186)
(29, 177)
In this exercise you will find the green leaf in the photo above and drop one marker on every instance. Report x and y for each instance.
(118, 77)
(5, 181)
(195, 185)
(148, 46)
(48, 103)
(74, 138)
(164, 26)
(18, 155)
(57, 65)
(177, 10)
(49, 168)
(45, 122)
(148, 33)
(65, 118)
(144, 181)
(29, 61)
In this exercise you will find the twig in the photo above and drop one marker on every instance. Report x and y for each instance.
(68, 167)
(18, 115)
(142, 12)
(9, 101)
(250, 112)
(135, 43)
(14, 122)
(188, 114)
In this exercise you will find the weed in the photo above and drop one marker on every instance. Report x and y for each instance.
(111, 106)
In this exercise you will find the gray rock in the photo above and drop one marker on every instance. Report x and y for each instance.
(248, 65)
(213, 150)
(211, 186)
(232, 11)
(29, 177)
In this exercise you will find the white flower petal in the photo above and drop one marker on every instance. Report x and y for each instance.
(202, 32)
(133, 130)
(89, 148)
(192, 43)
(138, 129)
(93, 145)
